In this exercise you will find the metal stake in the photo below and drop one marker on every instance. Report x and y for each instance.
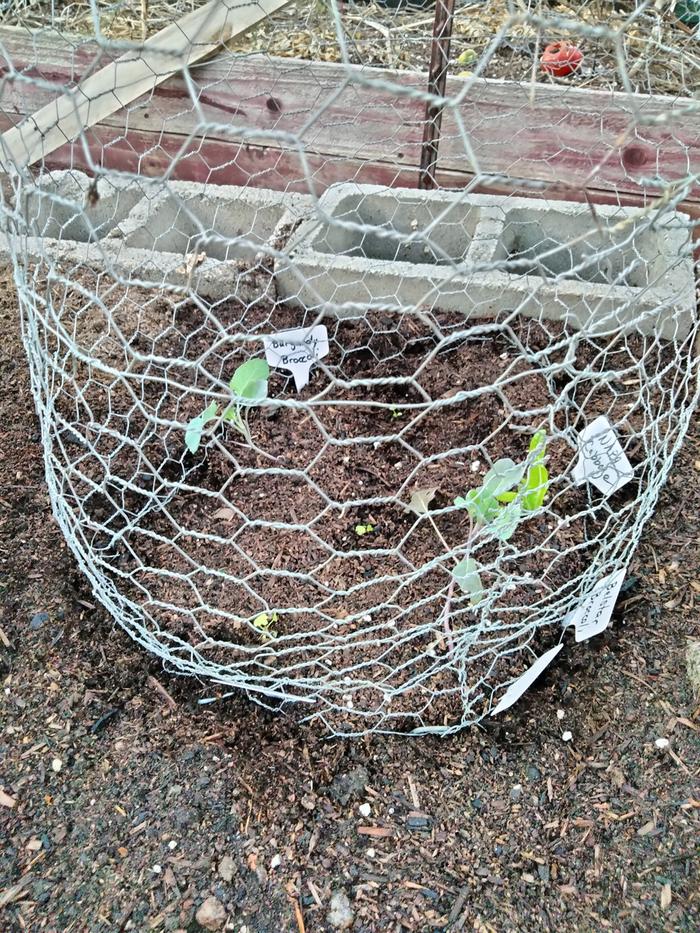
(437, 80)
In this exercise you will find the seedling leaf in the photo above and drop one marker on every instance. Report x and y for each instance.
(536, 487)
(421, 499)
(505, 523)
(364, 529)
(538, 443)
(480, 504)
(193, 434)
(466, 574)
(263, 623)
(249, 382)
(502, 476)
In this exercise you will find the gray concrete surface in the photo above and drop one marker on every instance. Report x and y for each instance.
(143, 231)
(361, 245)
(485, 255)
(223, 222)
(63, 206)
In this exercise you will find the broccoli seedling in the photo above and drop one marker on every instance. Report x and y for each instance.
(497, 508)
(248, 386)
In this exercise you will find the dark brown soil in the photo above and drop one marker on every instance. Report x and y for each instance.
(503, 828)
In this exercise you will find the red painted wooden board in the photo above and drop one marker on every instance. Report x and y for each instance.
(298, 125)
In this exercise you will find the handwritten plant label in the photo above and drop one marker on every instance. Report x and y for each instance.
(602, 461)
(593, 615)
(297, 351)
(519, 686)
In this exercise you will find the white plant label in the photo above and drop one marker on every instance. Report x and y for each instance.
(602, 461)
(519, 686)
(297, 351)
(593, 615)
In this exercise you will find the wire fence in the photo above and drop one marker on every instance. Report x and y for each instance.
(366, 452)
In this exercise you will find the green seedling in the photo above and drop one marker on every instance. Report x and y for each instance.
(508, 493)
(364, 529)
(248, 387)
(263, 623)
(396, 413)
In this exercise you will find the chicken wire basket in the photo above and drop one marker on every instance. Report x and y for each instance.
(363, 452)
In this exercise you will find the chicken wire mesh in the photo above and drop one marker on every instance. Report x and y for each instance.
(390, 544)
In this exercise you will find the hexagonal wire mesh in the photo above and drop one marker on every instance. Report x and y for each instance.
(391, 544)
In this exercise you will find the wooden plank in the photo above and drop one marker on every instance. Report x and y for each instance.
(221, 163)
(131, 76)
(364, 124)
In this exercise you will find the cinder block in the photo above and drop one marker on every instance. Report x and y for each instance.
(62, 205)
(223, 222)
(364, 245)
(212, 278)
(487, 255)
(144, 229)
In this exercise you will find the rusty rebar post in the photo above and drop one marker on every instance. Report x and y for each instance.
(437, 80)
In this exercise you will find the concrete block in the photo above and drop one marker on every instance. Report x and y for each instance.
(363, 245)
(212, 278)
(142, 229)
(487, 255)
(63, 206)
(223, 222)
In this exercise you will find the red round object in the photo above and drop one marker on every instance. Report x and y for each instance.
(561, 59)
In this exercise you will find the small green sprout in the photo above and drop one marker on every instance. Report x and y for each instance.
(508, 493)
(193, 435)
(396, 413)
(248, 386)
(263, 623)
(364, 529)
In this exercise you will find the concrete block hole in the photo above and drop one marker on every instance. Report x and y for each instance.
(64, 206)
(552, 245)
(405, 229)
(223, 229)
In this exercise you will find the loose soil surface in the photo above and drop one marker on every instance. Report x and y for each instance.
(125, 804)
